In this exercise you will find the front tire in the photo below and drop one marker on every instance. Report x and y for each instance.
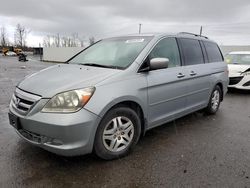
(215, 100)
(117, 134)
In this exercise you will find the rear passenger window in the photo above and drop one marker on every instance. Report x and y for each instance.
(167, 48)
(192, 52)
(213, 52)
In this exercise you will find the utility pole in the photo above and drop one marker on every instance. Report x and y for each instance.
(140, 28)
(201, 31)
(40, 51)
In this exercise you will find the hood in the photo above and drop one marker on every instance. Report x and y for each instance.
(235, 69)
(59, 78)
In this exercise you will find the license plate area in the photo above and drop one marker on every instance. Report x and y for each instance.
(14, 121)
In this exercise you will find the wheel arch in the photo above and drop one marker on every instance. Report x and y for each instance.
(221, 87)
(132, 104)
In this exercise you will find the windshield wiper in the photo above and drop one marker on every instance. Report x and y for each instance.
(99, 65)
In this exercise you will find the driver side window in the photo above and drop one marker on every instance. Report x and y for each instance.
(167, 48)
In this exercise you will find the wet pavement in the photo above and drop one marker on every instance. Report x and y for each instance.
(194, 151)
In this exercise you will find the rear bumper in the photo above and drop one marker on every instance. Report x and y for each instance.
(64, 134)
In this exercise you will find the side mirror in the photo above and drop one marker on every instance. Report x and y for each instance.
(159, 63)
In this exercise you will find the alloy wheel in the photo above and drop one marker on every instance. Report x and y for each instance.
(215, 101)
(118, 134)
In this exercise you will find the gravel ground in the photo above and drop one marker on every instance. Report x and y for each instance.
(194, 151)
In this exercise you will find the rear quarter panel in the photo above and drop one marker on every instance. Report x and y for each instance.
(219, 74)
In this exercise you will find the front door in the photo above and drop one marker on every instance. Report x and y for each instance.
(166, 87)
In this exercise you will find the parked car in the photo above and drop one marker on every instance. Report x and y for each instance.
(111, 93)
(10, 53)
(239, 69)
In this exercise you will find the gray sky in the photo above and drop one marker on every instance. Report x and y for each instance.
(225, 21)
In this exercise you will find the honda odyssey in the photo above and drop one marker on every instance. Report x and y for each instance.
(108, 95)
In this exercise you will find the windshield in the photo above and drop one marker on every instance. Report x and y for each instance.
(243, 59)
(112, 53)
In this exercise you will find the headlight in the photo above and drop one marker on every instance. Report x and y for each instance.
(246, 73)
(70, 101)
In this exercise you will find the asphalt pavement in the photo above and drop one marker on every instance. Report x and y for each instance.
(194, 151)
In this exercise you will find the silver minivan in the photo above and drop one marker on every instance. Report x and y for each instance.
(107, 96)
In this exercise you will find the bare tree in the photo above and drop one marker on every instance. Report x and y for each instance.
(52, 41)
(3, 37)
(56, 40)
(74, 40)
(69, 42)
(63, 41)
(82, 43)
(20, 35)
(47, 41)
(91, 40)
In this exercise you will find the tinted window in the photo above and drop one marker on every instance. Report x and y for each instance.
(191, 51)
(213, 52)
(167, 48)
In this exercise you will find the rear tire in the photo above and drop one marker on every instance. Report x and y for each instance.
(117, 134)
(214, 101)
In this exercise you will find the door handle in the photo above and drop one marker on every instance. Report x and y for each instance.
(180, 75)
(192, 73)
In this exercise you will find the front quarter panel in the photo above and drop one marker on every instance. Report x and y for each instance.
(122, 88)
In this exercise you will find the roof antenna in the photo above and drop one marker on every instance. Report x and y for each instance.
(201, 31)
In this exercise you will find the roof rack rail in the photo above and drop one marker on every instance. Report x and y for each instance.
(197, 35)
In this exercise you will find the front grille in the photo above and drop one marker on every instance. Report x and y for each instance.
(235, 80)
(23, 101)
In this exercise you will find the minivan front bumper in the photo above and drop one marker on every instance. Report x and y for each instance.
(64, 134)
